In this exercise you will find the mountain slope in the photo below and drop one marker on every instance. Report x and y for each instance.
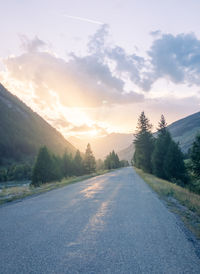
(126, 153)
(182, 131)
(185, 130)
(102, 146)
(22, 131)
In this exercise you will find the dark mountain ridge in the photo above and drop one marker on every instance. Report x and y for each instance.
(23, 131)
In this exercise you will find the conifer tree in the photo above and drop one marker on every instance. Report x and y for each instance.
(112, 161)
(174, 165)
(78, 164)
(67, 165)
(195, 156)
(42, 168)
(89, 161)
(144, 144)
(161, 146)
(56, 172)
(115, 159)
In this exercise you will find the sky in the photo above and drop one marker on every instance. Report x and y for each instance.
(90, 67)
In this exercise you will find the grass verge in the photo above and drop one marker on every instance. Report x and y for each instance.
(19, 192)
(180, 200)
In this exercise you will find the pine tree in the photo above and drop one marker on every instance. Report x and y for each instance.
(78, 164)
(42, 168)
(144, 144)
(112, 161)
(115, 159)
(160, 150)
(89, 161)
(56, 172)
(195, 156)
(67, 165)
(174, 165)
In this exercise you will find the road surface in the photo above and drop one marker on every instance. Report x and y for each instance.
(108, 224)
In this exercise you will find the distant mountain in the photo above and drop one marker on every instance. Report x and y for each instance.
(182, 131)
(22, 131)
(103, 145)
(185, 130)
(126, 153)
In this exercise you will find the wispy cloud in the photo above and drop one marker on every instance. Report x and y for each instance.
(83, 19)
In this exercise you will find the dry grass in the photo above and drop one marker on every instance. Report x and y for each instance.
(19, 192)
(180, 200)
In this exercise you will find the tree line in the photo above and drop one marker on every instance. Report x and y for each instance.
(16, 172)
(160, 155)
(49, 167)
(112, 161)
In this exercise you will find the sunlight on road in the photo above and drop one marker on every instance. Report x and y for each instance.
(93, 188)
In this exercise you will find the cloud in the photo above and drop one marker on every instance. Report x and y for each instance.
(176, 58)
(134, 66)
(31, 45)
(96, 83)
(97, 42)
(155, 33)
(80, 82)
(99, 77)
(85, 128)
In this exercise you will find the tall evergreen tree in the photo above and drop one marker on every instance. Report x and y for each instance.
(78, 164)
(112, 161)
(174, 165)
(115, 159)
(56, 172)
(66, 165)
(160, 150)
(89, 161)
(42, 168)
(195, 156)
(68, 168)
(144, 144)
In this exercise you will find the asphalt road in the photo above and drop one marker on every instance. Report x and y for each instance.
(108, 224)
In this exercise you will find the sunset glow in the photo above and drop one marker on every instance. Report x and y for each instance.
(87, 76)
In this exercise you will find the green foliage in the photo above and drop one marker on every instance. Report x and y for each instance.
(43, 168)
(160, 156)
(112, 161)
(174, 165)
(195, 157)
(16, 173)
(124, 163)
(49, 167)
(89, 161)
(144, 144)
(3, 175)
(67, 165)
(193, 166)
(78, 164)
(162, 143)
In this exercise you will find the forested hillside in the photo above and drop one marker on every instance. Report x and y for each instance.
(23, 131)
(182, 131)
